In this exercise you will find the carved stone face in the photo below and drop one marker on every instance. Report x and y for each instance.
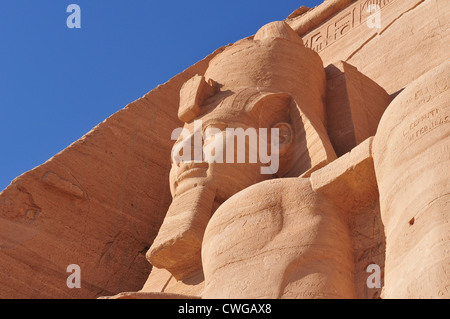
(259, 83)
(200, 186)
(224, 162)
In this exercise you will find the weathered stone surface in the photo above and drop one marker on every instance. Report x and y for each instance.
(305, 22)
(149, 295)
(350, 180)
(355, 105)
(160, 280)
(260, 87)
(278, 239)
(412, 40)
(350, 191)
(411, 153)
(350, 183)
(99, 204)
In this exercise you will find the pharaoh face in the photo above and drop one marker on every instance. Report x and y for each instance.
(238, 132)
(233, 142)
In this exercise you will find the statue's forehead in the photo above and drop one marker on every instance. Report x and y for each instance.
(200, 95)
(229, 107)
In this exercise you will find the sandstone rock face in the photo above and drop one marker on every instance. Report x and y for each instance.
(355, 105)
(411, 152)
(350, 184)
(413, 37)
(258, 87)
(358, 92)
(301, 249)
(273, 60)
(98, 204)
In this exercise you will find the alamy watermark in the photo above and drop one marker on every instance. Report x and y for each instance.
(74, 280)
(74, 19)
(208, 146)
(374, 280)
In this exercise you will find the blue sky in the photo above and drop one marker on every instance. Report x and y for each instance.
(57, 83)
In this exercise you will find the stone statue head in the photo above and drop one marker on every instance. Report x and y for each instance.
(256, 114)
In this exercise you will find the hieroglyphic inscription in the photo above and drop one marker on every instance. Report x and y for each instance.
(338, 26)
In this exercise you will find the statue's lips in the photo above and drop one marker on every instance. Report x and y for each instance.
(192, 170)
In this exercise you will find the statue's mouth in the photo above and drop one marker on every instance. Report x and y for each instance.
(189, 170)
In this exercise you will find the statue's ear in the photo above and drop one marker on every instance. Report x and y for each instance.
(193, 95)
(272, 107)
(285, 137)
(273, 110)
